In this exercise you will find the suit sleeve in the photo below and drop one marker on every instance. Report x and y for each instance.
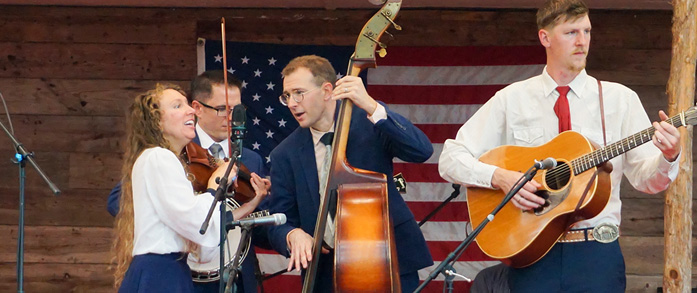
(112, 205)
(282, 200)
(402, 139)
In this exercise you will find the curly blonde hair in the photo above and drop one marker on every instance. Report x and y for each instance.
(143, 131)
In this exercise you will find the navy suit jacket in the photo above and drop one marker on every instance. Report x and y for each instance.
(254, 163)
(295, 183)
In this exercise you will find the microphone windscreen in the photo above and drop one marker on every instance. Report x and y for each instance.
(239, 115)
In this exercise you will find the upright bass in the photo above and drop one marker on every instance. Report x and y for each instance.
(365, 256)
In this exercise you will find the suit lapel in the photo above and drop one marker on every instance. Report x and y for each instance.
(309, 165)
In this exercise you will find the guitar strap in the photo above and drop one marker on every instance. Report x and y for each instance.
(602, 110)
(595, 174)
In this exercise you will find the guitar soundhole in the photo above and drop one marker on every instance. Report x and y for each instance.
(557, 181)
(558, 177)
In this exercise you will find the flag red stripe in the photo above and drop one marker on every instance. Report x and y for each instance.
(283, 283)
(293, 283)
(438, 133)
(464, 56)
(434, 95)
(441, 249)
(437, 286)
(453, 211)
(419, 172)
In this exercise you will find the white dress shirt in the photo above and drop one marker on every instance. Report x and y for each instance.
(523, 114)
(206, 141)
(166, 211)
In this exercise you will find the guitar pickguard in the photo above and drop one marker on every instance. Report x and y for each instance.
(552, 199)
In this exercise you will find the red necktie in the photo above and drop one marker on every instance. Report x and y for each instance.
(561, 108)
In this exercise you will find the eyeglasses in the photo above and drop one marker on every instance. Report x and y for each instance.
(297, 95)
(220, 111)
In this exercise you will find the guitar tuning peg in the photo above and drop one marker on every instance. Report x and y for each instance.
(382, 52)
(387, 16)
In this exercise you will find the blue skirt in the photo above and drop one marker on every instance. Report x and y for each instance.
(167, 273)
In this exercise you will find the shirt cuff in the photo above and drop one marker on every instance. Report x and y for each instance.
(379, 114)
(669, 168)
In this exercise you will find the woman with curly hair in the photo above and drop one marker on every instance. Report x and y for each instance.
(160, 214)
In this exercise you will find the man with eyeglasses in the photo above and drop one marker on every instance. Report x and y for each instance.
(377, 135)
(207, 97)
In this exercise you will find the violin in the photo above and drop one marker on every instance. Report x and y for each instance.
(201, 166)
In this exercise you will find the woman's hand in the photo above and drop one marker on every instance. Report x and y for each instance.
(218, 173)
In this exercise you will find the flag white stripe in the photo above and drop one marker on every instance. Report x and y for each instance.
(428, 191)
(445, 231)
(469, 269)
(436, 114)
(271, 263)
(451, 75)
(437, 149)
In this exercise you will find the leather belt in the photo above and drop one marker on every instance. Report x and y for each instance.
(603, 233)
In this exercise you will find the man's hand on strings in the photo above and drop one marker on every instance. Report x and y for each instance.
(525, 199)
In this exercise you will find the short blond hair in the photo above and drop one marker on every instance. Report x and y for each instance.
(557, 11)
(321, 69)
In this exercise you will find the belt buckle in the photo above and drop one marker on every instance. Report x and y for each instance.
(606, 232)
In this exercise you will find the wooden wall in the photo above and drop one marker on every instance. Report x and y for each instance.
(68, 75)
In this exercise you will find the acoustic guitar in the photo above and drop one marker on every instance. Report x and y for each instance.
(520, 238)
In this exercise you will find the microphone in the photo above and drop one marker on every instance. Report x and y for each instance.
(545, 164)
(239, 118)
(273, 220)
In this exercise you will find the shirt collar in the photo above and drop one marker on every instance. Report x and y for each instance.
(316, 134)
(206, 140)
(577, 85)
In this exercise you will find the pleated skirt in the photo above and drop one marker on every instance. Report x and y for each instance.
(167, 273)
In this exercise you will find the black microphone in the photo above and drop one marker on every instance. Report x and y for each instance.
(547, 163)
(273, 220)
(239, 118)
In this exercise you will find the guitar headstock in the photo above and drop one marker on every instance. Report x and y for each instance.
(691, 116)
(369, 39)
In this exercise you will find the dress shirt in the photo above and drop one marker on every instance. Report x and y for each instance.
(166, 211)
(320, 150)
(523, 114)
(207, 141)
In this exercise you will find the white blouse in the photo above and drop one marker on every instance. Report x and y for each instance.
(166, 211)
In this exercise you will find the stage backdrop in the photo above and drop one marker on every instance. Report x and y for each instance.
(437, 88)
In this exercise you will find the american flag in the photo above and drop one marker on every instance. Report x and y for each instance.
(437, 88)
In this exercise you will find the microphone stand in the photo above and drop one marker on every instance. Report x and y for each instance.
(446, 263)
(452, 196)
(236, 265)
(20, 158)
(238, 134)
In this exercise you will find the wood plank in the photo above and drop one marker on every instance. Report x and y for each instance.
(648, 284)
(644, 255)
(58, 244)
(47, 134)
(95, 170)
(61, 277)
(73, 207)
(54, 165)
(75, 97)
(630, 67)
(644, 217)
(98, 61)
(42, 25)
(638, 29)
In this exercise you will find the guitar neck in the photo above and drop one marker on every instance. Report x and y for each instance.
(615, 149)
